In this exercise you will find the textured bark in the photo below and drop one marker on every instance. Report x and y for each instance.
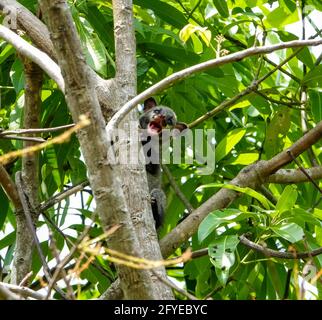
(104, 178)
(30, 168)
(37, 31)
(134, 176)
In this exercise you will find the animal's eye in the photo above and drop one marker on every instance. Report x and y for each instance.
(170, 121)
(157, 111)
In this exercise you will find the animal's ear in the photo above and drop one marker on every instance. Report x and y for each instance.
(149, 103)
(180, 126)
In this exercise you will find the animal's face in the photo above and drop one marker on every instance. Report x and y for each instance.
(156, 118)
(159, 118)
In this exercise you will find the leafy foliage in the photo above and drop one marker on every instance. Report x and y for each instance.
(172, 35)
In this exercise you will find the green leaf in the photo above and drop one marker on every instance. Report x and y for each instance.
(301, 216)
(222, 256)
(250, 192)
(318, 232)
(165, 11)
(17, 76)
(215, 219)
(287, 199)
(4, 207)
(289, 231)
(276, 131)
(8, 240)
(314, 77)
(281, 16)
(245, 159)
(221, 6)
(228, 143)
(316, 104)
(6, 52)
(171, 53)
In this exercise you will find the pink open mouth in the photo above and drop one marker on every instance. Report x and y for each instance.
(155, 127)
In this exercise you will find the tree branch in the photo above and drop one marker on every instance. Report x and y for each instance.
(34, 54)
(180, 75)
(277, 254)
(40, 36)
(6, 294)
(288, 176)
(23, 291)
(35, 130)
(30, 168)
(251, 176)
(104, 178)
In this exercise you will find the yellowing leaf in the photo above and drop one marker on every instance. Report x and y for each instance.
(188, 30)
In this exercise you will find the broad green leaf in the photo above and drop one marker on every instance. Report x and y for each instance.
(250, 192)
(316, 104)
(8, 240)
(210, 11)
(276, 131)
(6, 52)
(245, 159)
(197, 44)
(165, 11)
(222, 255)
(318, 232)
(317, 213)
(228, 143)
(235, 23)
(314, 77)
(17, 76)
(228, 84)
(172, 53)
(301, 216)
(287, 199)
(222, 7)
(240, 105)
(186, 32)
(190, 29)
(215, 219)
(4, 207)
(281, 16)
(304, 54)
(289, 231)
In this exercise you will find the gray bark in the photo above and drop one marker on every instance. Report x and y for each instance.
(30, 168)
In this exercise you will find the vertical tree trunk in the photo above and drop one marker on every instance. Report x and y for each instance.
(30, 168)
(134, 176)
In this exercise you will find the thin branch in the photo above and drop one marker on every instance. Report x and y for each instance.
(27, 212)
(288, 176)
(31, 226)
(68, 257)
(277, 254)
(180, 75)
(175, 287)
(251, 88)
(285, 103)
(6, 294)
(32, 139)
(63, 195)
(23, 291)
(304, 171)
(34, 54)
(39, 35)
(62, 138)
(251, 176)
(63, 273)
(199, 253)
(176, 189)
(40, 130)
